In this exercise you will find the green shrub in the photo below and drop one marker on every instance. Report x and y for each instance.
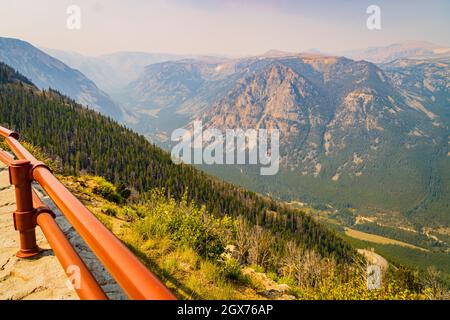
(184, 223)
(129, 214)
(273, 276)
(257, 268)
(110, 192)
(231, 269)
(109, 210)
(123, 191)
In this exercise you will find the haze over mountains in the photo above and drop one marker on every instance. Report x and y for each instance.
(406, 49)
(354, 133)
(48, 72)
(112, 72)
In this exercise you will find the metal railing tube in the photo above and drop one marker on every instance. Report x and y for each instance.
(136, 280)
(5, 158)
(20, 151)
(84, 283)
(8, 133)
(86, 287)
(133, 277)
(82, 280)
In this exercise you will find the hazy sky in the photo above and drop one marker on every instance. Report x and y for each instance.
(222, 27)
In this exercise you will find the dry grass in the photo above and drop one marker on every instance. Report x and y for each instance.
(378, 239)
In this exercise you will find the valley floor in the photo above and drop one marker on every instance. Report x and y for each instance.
(378, 239)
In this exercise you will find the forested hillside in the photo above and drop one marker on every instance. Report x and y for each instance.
(84, 141)
(204, 237)
(8, 75)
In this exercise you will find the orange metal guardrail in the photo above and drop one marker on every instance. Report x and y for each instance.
(132, 276)
(88, 288)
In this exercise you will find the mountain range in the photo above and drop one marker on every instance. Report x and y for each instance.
(194, 218)
(112, 72)
(406, 49)
(82, 141)
(355, 134)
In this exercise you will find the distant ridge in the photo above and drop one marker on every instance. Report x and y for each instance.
(406, 49)
(112, 72)
(47, 72)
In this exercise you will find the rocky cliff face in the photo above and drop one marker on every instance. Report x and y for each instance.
(356, 129)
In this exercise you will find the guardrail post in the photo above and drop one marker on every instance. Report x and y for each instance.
(24, 216)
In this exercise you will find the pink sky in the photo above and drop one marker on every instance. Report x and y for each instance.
(221, 27)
